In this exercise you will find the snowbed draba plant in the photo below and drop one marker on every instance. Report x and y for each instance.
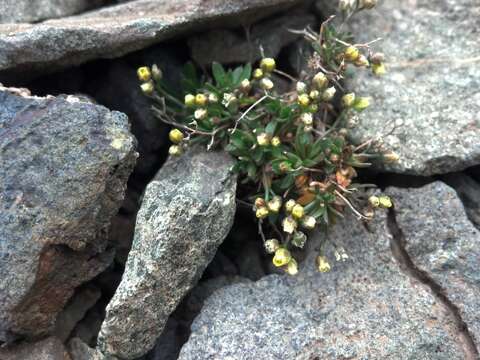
(292, 148)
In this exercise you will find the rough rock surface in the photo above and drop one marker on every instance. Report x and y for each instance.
(228, 46)
(15, 11)
(444, 244)
(117, 30)
(431, 92)
(186, 213)
(48, 349)
(64, 165)
(364, 308)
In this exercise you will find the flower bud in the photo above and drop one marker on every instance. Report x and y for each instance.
(176, 136)
(144, 74)
(307, 118)
(257, 74)
(301, 87)
(362, 61)
(285, 166)
(245, 85)
(348, 100)
(314, 94)
(313, 108)
(263, 139)
(374, 201)
(282, 257)
(299, 239)
(229, 99)
(175, 150)
(189, 100)
(261, 213)
(361, 103)
(212, 98)
(377, 58)
(320, 80)
(298, 212)
(275, 204)
(309, 222)
(391, 157)
(289, 205)
(379, 69)
(322, 264)
(260, 202)
(271, 245)
(351, 53)
(329, 93)
(304, 100)
(200, 114)
(276, 141)
(292, 267)
(147, 88)
(267, 64)
(289, 225)
(266, 84)
(156, 73)
(200, 100)
(385, 202)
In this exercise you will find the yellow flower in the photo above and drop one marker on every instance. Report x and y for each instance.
(304, 100)
(314, 94)
(257, 74)
(298, 212)
(144, 74)
(292, 267)
(289, 225)
(189, 100)
(267, 64)
(261, 213)
(289, 205)
(374, 201)
(276, 141)
(348, 100)
(301, 87)
(175, 150)
(351, 53)
(271, 245)
(263, 139)
(156, 73)
(385, 202)
(322, 264)
(320, 80)
(379, 69)
(362, 61)
(275, 204)
(282, 257)
(309, 222)
(147, 88)
(266, 84)
(361, 103)
(329, 93)
(176, 136)
(200, 100)
(307, 118)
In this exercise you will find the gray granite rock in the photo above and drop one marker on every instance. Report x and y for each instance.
(15, 11)
(431, 91)
(228, 46)
(26, 49)
(48, 349)
(444, 244)
(80, 351)
(64, 165)
(186, 213)
(469, 192)
(364, 308)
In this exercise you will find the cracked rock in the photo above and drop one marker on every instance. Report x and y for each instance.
(443, 243)
(65, 164)
(430, 92)
(364, 308)
(186, 213)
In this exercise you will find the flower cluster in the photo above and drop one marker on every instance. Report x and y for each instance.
(293, 150)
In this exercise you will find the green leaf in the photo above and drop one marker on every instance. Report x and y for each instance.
(287, 182)
(190, 80)
(219, 74)
(270, 128)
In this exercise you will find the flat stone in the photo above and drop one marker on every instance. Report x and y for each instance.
(187, 211)
(431, 93)
(65, 164)
(26, 49)
(364, 308)
(443, 243)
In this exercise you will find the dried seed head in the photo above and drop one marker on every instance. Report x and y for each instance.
(377, 58)
(362, 61)
(260, 202)
(299, 239)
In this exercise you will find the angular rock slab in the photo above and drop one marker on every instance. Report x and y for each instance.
(187, 211)
(444, 244)
(117, 30)
(64, 167)
(431, 93)
(364, 308)
(48, 349)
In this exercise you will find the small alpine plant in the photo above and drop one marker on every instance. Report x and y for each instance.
(292, 148)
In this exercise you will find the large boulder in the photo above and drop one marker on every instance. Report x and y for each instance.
(110, 32)
(444, 245)
(368, 307)
(48, 349)
(15, 11)
(65, 164)
(187, 211)
(429, 98)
